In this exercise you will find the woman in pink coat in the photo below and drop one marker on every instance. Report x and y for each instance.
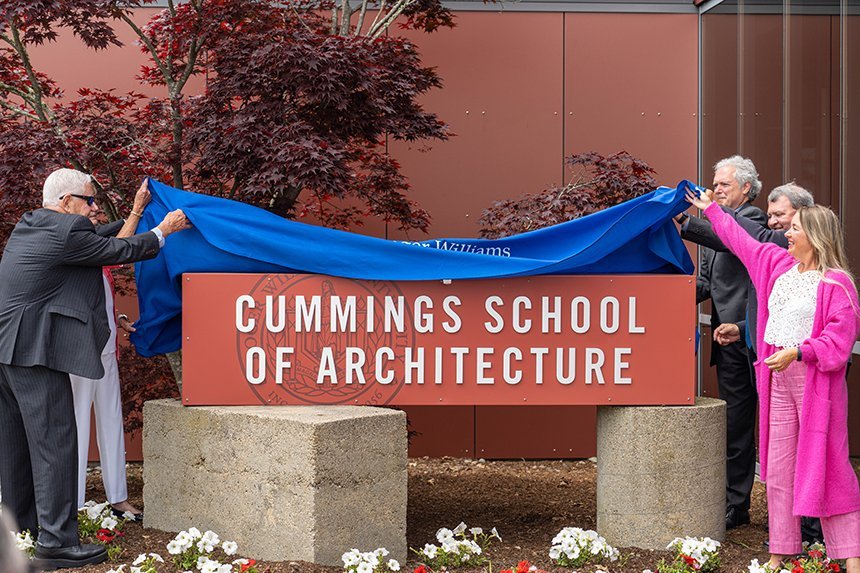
(809, 318)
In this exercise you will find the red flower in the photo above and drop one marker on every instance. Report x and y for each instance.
(815, 553)
(420, 569)
(106, 535)
(834, 566)
(523, 566)
(690, 561)
(798, 569)
(247, 565)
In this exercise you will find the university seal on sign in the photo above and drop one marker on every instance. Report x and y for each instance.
(323, 325)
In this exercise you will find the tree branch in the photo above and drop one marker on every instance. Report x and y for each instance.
(361, 14)
(378, 14)
(146, 42)
(389, 18)
(26, 96)
(19, 111)
(39, 107)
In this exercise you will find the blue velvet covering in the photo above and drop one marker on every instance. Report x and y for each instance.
(634, 237)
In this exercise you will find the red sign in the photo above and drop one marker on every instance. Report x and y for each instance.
(552, 340)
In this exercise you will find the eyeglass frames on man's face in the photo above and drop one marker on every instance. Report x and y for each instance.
(90, 199)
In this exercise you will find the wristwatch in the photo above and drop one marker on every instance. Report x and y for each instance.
(682, 218)
(799, 355)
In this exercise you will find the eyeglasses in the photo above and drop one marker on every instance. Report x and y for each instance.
(90, 199)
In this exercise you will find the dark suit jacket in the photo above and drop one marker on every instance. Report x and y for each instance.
(52, 307)
(706, 237)
(722, 276)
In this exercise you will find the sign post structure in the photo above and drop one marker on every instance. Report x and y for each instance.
(251, 339)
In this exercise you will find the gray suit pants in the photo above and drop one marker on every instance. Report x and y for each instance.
(38, 452)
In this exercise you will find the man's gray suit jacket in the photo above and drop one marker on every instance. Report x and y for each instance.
(52, 307)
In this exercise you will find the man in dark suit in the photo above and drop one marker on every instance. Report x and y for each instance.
(52, 323)
(724, 279)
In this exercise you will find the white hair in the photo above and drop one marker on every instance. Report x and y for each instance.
(745, 172)
(796, 195)
(62, 182)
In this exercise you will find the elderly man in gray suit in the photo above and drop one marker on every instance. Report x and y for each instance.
(724, 279)
(53, 323)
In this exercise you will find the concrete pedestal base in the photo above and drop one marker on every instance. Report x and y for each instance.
(661, 473)
(285, 483)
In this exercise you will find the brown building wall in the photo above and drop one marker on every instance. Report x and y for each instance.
(521, 91)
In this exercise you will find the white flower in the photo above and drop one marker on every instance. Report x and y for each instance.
(174, 548)
(460, 528)
(136, 569)
(94, 511)
(209, 566)
(230, 547)
(495, 533)
(429, 550)
(755, 567)
(194, 533)
(381, 552)
(364, 567)
(393, 565)
(157, 557)
(554, 552)
(444, 534)
(476, 531)
(117, 570)
(351, 557)
(24, 541)
(370, 558)
(201, 561)
(244, 561)
(128, 516)
(109, 522)
(140, 559)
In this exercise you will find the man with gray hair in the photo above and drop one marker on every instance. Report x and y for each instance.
(724, 280)
(53, 323)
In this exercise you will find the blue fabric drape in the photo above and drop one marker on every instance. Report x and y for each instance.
(637, 236)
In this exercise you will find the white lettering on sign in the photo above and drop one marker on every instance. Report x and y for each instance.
(565, 365)
(341, 315)
(486, 365)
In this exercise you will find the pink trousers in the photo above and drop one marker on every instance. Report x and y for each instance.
(841, 532)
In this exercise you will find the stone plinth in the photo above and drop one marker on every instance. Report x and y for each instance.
(285, 483)
(661, 473)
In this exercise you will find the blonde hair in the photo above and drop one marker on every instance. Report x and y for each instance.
(825, 235)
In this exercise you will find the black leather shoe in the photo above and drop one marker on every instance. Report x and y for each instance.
(50, 558)
(137, 517)
(736, 517)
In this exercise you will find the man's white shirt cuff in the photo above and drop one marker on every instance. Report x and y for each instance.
(160, 236)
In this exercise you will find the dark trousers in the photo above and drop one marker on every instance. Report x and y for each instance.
(737, 388)
(38, 453)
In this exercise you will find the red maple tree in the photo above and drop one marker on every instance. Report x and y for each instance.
(301, 100)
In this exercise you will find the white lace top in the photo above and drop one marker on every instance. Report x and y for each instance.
(792, 308)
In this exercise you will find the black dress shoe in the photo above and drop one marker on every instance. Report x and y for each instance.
(137, 517)
(736, 517)
(50, 558)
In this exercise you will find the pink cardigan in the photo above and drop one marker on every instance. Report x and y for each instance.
(824, 481)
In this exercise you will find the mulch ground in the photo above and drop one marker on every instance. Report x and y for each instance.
(527, 501)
